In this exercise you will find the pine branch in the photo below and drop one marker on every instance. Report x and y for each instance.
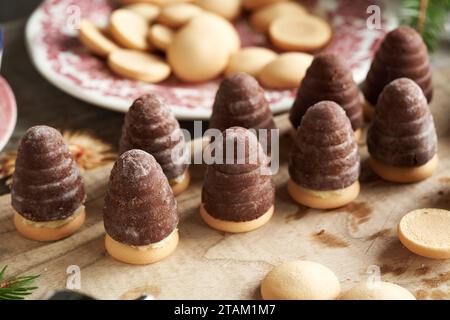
(427, 17)
(15, 288)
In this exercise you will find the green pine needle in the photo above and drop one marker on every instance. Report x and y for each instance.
(433, 24)
(15, 288)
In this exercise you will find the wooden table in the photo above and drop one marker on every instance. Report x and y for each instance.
(210, 264)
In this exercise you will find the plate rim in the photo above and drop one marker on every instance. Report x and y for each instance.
(11, 103)
(118, 105)
(108, 102)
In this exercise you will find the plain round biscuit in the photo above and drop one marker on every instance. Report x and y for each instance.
(256, 4)
(133, 255)
(233, 226)
(95, 39)
(48, 234)
(262, 18)
(250, 60)
(377, 291)
(159, 3)
(323, 199)
(404, 175)
(160, 36)
(286, 71)
(304, 33)
(147, 10)
(129, 29)
(138, 65)
(199, 52)
(426, 232)
(229, 9)
(220, 27)
(300, 280)
(177, 15)
(195, 58)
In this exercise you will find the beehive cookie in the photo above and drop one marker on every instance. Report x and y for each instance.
(262, 18)
(95, 39)
(402, 140)
(151, 126)
(240, 101)
(404, 54)
(229, 9)
(177, 15)
(129, 29)
(238, 193)
(300, 33)
(426, 232)
(286, 71)
(160, 36)
(324, 162)
(47, 191)
(140, 213)
(300, 280)
(377, 291)
(138, 65)
(250, 60)
(329, 78)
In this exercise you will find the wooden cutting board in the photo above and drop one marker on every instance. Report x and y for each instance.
(353, 241)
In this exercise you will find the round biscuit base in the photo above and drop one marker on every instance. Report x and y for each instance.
(131, 255)
(323, 199)
(404, 175)
(233, 226)
(179, 187)
(48, 234)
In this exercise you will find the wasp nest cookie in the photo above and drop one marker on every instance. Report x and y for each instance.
(328, 78)
(140, 212)
(151, 126)
(238, 194)
(402, 139)
(324, 163)
(240, 101)
(401, 54)
(47, 190)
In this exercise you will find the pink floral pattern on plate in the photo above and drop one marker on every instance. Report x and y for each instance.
(61, 58)
(8, 112)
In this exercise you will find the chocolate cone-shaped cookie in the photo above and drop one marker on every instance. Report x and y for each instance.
(402, 133)
(328, 78)
(325, 155)
(47, 185)
(240, 102)
(402, 54)
(238, 187)
(140, 208)
(152, 127)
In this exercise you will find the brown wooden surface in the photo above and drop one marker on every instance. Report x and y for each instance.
(210, 264)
